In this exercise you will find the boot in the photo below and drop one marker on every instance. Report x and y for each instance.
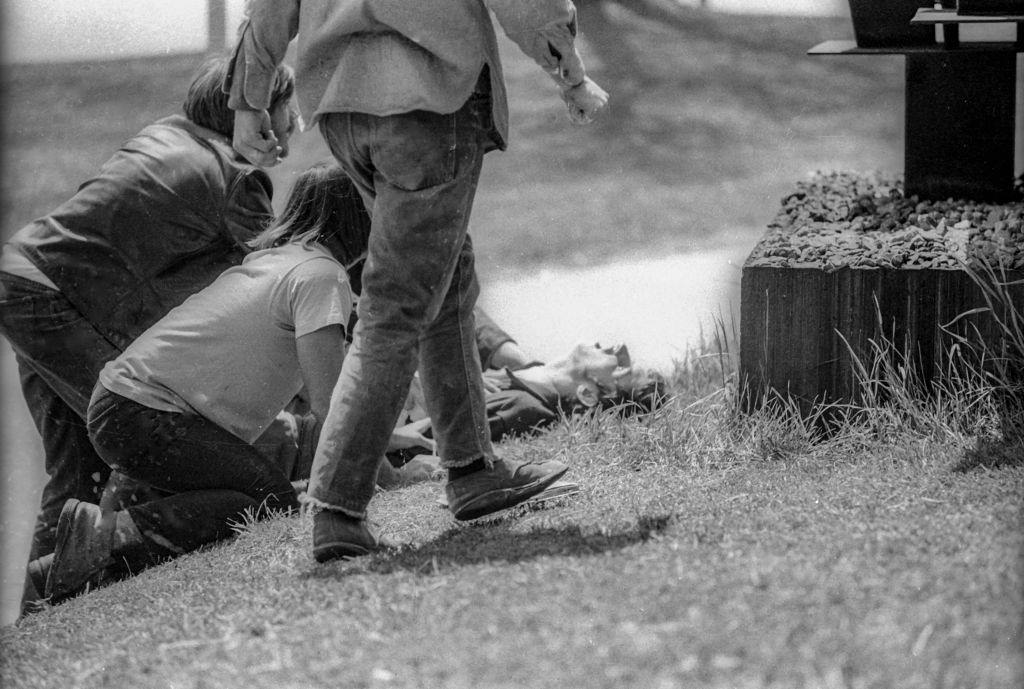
(84, 551)
(33, 598)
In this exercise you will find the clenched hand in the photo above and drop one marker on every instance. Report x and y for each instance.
(584, 101)
(254, 138)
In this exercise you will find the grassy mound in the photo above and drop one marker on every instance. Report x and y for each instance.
(706, 549)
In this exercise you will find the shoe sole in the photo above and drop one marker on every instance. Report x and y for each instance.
(558, 489)
(67, 515)
(510, 498)
(339, 551)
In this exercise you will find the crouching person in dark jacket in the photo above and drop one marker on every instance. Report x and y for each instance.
(166, 214)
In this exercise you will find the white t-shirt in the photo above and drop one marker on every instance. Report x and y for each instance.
(228, 352)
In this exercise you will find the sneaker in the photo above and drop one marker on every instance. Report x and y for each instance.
(83, 551)
(503, 485)
(339, 536)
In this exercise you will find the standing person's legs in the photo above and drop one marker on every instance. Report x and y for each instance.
(418, 174)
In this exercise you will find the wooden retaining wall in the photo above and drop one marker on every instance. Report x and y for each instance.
(791, 320)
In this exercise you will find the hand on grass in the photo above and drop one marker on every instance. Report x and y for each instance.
(584, 101)
(254, 138)
(411, 435)
(422, 468)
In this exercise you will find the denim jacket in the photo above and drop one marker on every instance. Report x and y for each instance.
(166, 214)
(383, 57)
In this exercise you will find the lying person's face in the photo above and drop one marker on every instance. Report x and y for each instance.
(609, 368)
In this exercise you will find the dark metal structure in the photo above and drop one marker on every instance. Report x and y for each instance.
(799, 325)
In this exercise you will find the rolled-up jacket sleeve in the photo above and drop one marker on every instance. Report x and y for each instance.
(489, 336)
(263, 38)
(546, 31)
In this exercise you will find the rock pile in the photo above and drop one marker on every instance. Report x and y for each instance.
(849, 220)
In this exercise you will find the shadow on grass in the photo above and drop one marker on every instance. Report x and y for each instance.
(988, 454)
(495, 541)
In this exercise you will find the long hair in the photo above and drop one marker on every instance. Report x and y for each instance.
(206, 103)
(323, 205)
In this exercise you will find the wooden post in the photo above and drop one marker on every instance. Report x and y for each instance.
(803, 325)
(216, 15)
(1018, 167)
(794, 320)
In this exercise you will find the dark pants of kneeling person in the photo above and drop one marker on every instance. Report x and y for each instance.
(212, 476)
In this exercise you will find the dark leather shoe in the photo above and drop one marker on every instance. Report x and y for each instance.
(33, 598)
(83, 551)
(503, 485)
(337, 536)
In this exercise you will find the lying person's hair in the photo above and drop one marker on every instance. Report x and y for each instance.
(648, 393)
(206, 103)
(323, 206)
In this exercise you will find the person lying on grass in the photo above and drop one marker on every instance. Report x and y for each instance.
(523, 397)
(180, 408)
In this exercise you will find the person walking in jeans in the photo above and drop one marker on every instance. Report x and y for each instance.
(409, 97)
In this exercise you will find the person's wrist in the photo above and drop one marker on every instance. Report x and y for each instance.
(570, 87)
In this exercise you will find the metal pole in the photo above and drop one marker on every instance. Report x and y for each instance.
(216, 15)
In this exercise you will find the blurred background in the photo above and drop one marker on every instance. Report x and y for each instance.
(633, 229)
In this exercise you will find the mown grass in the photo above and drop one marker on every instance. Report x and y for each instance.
(707, 548)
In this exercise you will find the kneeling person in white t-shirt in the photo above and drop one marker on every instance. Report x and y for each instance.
(181, 407)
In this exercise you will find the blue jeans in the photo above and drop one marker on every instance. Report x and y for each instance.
(210, 476)
(59, 356)
(417, 173)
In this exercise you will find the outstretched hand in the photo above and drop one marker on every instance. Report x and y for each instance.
(254, 138)
(584, 101)
(411, 435)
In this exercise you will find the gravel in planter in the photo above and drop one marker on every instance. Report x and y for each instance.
(863, 220)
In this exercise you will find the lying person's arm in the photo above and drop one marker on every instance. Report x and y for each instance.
(497, 348)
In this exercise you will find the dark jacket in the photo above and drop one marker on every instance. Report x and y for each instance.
(518, 409)
(165, 216)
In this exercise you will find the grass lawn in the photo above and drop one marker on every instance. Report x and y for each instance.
(706, 549)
